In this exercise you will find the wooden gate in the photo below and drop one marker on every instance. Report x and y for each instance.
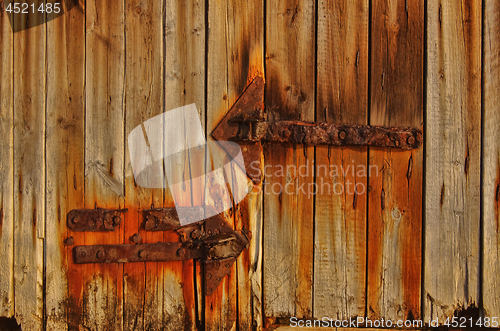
(421, 242)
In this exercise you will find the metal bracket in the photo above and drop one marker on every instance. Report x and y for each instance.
(212, 241)
(247, 123)
(100, 220)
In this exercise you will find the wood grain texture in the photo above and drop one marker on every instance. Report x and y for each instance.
(143, 282)
(395, 197)
(453, 157)
(184, 84)
(288, 211)
(6, 167)
(104, 155)
(235, 57)
(29, 171)
(491, 158)
(64, 163)
(340, 212)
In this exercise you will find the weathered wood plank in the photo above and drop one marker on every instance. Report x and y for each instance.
(29, 170)
(65, 163)
(491, 158)
(340, 212)
(143, 100)
(288, 211)
(6, 167)
(453, 138)
(235, 57)
(395, 198)
(184, 84)
(104, 155)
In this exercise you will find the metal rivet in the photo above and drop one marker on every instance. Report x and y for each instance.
(209, 276)
(143, 254)
(74, 220)
(218, 264)
(181, 252)
(410, 140)
(100, 255)
(219, 279)
(227, 265)
(342, 134)
(221, 224)
(286, 133)
(83, 254)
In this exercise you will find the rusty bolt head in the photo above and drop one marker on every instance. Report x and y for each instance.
(410, 140)
(286, 133)
(227, 265)
(83, 254)
(181, 252)
(100, 255)
(117, 220)
(143, 254)
(342, 134)
(209, 276)
(69, 241)
(396, 143)
(136, 238)
(74, 220)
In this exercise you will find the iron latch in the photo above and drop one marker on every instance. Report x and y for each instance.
(100, 220)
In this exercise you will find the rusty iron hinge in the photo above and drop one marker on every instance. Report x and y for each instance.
(100, 220)
(212, 241)
(247, 123)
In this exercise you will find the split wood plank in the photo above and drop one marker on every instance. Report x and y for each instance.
(29, 169)
(395, 197)
(235, 57)
(341, 173)
(143, 282)
(6, 167)
(104, 155)
(491, 158)
(184, 84)
(288, 211)
(64, 164)
(452, 215)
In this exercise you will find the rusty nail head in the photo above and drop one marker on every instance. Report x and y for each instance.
(181, 252)
(143, 254)
(69, 241)
(227, 265)
(286, 133)
(209, 276)
(74, 220)
(342, 134)
(117, 219)
(136, 238)
(218, 264)
(83, 254)
(218, 279)
(100, 255)
(150, 224)
(411, 140)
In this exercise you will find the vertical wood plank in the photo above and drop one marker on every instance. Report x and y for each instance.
(29, 170)
(452, 157)
(6, 167)
(235, 57)
(184, 84)
(491, 158)
(65, 164)
(340, 213)
(288, 214)
(395, 198)
(104, 154)
(143, 100)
